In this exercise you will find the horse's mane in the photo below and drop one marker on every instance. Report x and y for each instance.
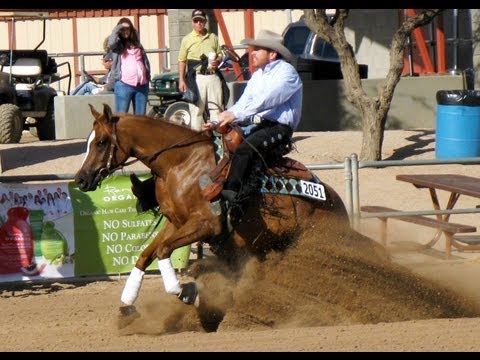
(151, 120)
(174, 130)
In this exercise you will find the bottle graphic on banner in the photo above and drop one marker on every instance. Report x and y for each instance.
(53, 244)
(36, 223)
(16, 241)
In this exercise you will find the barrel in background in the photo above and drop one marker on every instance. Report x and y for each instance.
(457, 124)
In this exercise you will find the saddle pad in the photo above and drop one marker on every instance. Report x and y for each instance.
(310, 186)
(313, 189)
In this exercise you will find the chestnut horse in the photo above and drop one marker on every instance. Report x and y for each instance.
(178, 157)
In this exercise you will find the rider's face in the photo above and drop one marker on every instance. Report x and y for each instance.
(261, 57)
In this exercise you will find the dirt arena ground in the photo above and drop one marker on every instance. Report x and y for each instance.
(337, 290)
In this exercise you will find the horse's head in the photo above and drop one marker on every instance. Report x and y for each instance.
(103, 155)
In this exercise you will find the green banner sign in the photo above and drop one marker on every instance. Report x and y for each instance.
(109, 233)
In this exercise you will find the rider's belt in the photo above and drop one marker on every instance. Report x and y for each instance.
(208, 72)
(257, 119)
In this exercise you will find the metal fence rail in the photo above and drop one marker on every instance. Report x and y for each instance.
(351, 167)
(356, 165)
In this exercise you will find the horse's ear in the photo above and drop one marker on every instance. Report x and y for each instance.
(95, 113)
(107, 113)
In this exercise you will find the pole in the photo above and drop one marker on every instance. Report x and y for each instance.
(348, 188)
(355, 191)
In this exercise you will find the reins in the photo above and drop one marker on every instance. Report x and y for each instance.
(181, 143)
(108, 169)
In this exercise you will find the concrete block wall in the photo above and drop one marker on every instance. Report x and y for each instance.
(370, 32)
(325, 106)
(179, 24)
(414, 104)
(73, 117)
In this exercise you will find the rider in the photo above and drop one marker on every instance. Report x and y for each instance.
(273, 95)
(272, 101)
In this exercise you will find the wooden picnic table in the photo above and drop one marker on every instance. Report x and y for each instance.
(457, 185)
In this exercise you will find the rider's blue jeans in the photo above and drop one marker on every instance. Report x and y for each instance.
(137, 95)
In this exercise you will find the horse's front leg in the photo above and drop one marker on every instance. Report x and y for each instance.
(197, 228)
(134, 281)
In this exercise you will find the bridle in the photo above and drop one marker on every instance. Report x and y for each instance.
(109, 169)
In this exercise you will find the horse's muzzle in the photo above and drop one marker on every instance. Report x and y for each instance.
(87, 182)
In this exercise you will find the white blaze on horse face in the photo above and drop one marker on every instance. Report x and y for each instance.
(89, 141)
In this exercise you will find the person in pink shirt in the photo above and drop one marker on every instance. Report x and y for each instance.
(130, 68)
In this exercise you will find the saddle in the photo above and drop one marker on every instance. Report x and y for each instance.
(212, 183)
(231, 139)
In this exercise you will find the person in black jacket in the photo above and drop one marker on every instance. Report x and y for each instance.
(130, 69)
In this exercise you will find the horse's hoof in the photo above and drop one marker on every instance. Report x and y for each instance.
(189, 294)
(127, 315)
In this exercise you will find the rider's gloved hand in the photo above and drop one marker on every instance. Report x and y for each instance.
(211, 125)
(224, 119)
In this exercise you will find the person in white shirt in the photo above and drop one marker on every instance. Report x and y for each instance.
(272, 101)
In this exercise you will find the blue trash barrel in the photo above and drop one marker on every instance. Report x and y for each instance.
(458, 124)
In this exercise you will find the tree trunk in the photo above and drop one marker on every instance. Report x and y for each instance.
(374, 110)
(373, 128)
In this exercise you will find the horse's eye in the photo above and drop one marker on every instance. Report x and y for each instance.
(101, 143)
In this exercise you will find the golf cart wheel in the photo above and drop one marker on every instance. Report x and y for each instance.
(46, 125)
(155, 113)
(179, 113)
(11, 124)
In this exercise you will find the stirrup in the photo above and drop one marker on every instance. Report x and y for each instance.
(229, 195)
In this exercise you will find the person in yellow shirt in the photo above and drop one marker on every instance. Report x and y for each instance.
(198, 61)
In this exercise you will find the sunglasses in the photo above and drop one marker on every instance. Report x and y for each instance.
(199, 21)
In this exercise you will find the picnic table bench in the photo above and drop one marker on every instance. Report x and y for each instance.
(448, 228)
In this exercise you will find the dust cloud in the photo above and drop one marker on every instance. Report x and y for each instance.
(332, 276)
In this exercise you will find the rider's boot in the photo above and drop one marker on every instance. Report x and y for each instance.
(229, 195)
(145, 193)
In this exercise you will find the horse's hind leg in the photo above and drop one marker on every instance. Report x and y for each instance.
(134, 281)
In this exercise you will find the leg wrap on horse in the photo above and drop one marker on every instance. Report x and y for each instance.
(170, 281)
(132, 286)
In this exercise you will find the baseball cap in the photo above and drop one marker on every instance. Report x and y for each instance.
(199, 14)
